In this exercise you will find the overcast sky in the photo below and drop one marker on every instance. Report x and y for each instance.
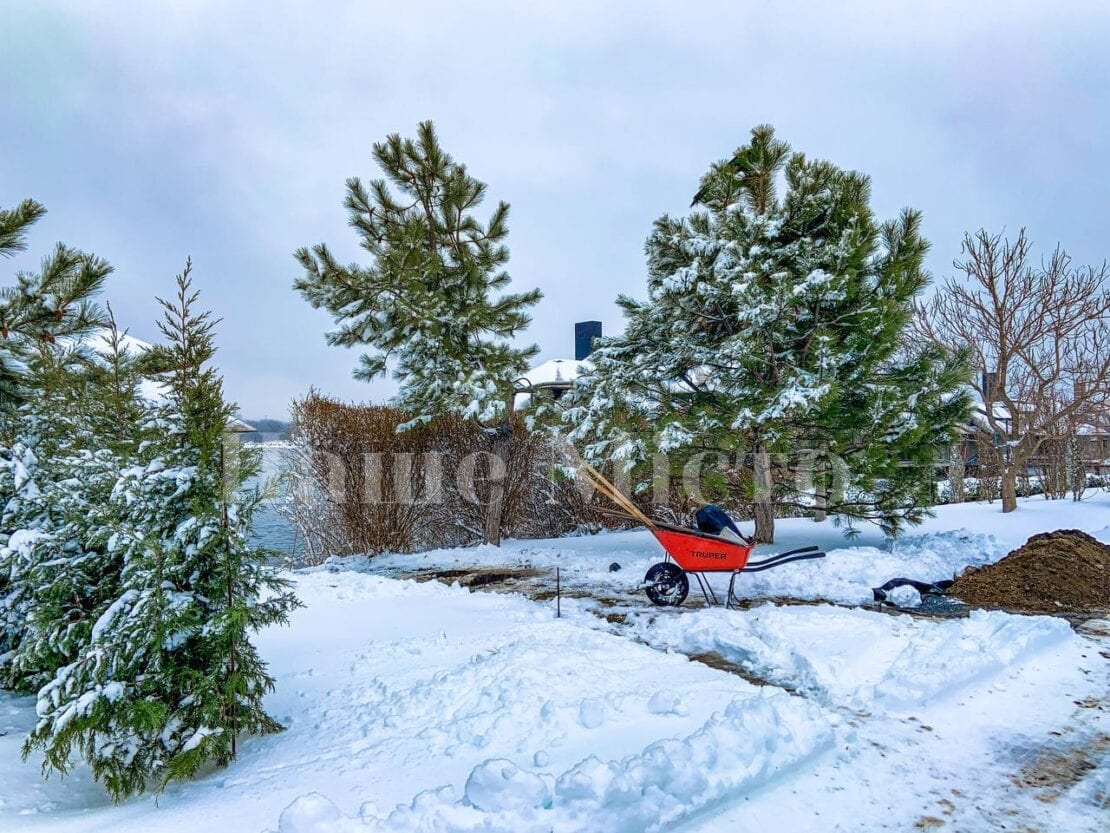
(224, 131)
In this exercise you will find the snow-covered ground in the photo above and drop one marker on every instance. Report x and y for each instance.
(959, 536)
(425, 707)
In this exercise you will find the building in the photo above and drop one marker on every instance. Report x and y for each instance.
(1091, 438)
(557, 375)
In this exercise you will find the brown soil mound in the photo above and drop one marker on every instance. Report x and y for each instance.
(1066, 571)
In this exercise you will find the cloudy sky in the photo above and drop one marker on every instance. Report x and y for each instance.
(224, 131)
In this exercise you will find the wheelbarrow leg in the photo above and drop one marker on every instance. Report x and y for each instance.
(706, 590)
(701, 586)
(731, 596)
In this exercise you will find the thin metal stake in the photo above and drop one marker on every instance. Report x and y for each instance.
(558, 596)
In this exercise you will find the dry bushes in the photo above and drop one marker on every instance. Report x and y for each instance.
(357, 485)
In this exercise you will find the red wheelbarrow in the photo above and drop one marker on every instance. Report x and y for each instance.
(691, 552)
(694, 553)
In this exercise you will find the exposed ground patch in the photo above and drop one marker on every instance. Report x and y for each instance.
(1057, 768)
(479, 577)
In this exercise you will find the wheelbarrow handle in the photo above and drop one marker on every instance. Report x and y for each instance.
(814, 548)
(803, 554)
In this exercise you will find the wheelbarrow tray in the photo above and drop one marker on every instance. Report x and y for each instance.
(701, 552)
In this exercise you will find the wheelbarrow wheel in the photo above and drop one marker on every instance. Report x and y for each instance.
(666, 584)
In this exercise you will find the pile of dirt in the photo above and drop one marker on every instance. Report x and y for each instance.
(1066, 571)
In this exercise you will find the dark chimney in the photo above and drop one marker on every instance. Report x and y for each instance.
(990, 385)
(584, 334)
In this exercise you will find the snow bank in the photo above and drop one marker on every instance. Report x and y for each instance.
(859, 659)
(847, 574)
(734, 751)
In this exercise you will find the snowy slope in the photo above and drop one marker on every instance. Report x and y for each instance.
(390, 689)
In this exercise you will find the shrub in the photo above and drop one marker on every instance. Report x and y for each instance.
(359, 485)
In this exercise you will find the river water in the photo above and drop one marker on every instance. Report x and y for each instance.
(270, 529)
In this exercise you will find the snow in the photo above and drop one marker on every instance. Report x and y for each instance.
(551, 373)
(734, 750)
(415, 706)
(554, 370)
(22, 540)
(197, 737)
(114, 609)
(858, 659)
(101, 343)
(389, 689)
(904, 596)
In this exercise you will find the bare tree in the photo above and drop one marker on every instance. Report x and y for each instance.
(1039, 332)
(956, 472)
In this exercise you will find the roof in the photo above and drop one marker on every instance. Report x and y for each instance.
(237, 426)
(101, 342)
(1093, 430)
(553, 373)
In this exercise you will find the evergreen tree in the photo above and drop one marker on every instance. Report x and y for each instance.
(41, 317)
(25, 524)
(70, 572)
(169, 677)
(426, 301)
(42, 307)
(772, 330)
(47, 435)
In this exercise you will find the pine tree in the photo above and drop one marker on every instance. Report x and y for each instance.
(772, 330)
(54, 303)
(426, 302)
(71, 572)
(169, 677)
(23, 518)
(41, 317)
(47, 437)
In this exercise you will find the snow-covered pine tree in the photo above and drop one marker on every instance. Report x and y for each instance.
(169, 677)
(772, 329)
(40, 317)
(47, 436)
(45, 306)
(426, 301)
(71, 572)
(17, 480)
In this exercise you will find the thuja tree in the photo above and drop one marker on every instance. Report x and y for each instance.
(771, 332)
(169, 678)
(428, 301)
